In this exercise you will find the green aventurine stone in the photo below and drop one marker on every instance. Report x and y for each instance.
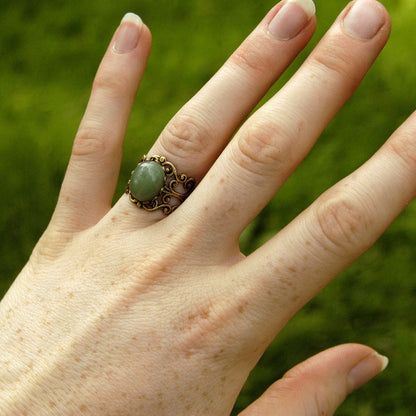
(147, 180)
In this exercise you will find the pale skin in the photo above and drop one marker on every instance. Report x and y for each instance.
(124, 312)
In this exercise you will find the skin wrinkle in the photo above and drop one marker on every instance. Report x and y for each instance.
(187, 133)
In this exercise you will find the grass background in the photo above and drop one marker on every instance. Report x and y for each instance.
(49, 54)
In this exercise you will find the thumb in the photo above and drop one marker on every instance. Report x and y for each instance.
(320, 384)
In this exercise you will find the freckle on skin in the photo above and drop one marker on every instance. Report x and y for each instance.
(189, 354)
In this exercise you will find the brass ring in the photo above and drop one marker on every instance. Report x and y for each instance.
(155, 184)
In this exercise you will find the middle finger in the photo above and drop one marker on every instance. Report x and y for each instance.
(198, 133)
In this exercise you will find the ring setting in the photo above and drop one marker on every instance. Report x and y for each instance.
(155, 184)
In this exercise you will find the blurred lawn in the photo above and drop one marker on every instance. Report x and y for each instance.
(49, 54)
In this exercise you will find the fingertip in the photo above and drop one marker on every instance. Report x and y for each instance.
(291, 19)
(365, 370)
(131, 33)
(365, 19)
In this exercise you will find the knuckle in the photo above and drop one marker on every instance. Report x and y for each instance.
(317, 399)
(342, 220)
(264, 148)
(90, 140)
(337, 62)
(252, 58)
(110, 84)
(404, 146)
(185, 136)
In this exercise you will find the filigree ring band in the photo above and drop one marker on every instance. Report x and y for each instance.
(155, 184)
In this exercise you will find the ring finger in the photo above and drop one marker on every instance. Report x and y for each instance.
(196, 135)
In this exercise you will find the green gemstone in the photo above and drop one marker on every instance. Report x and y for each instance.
(147, 180)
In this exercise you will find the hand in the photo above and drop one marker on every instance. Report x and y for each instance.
(124, 311)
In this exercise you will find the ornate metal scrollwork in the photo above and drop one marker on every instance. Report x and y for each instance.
(177, 187)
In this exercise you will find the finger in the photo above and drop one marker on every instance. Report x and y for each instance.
(319, 385)
(277, 137)
(196, 135)
(91, 177)
(334, 231)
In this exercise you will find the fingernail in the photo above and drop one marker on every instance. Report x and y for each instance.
(365, 370)
(128, 33)
(291, 19)
(364, 19)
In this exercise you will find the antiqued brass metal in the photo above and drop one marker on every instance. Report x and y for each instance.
(176, 189)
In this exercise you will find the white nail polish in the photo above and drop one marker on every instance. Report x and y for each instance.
(384, 361)
(128, 33)
(132, 18)
(291, 19)
(307, 5)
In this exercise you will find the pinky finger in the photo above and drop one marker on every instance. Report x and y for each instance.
(319, 385)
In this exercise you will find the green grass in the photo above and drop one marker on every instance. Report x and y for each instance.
(49, 54)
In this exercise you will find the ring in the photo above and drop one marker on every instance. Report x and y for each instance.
(155, 184)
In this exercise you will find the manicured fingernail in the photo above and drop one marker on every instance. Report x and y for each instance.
(128, 33)
(365, 370)
(291, 19)
(364, 19)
